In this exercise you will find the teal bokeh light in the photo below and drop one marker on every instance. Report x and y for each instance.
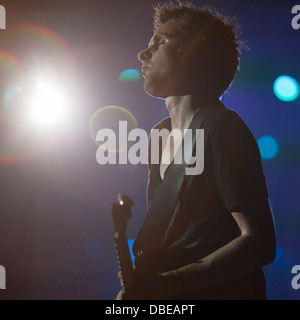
(286, 88)
(129, 75)
(268, 147)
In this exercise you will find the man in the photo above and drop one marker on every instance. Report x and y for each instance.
(221, 231)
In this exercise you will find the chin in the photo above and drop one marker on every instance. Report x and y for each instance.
(151, 91)
(155, 90)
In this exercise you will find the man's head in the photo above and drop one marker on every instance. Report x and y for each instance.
(204, 54)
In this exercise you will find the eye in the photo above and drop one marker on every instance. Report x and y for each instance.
(157, 44)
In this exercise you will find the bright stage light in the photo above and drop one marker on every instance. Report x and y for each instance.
(47, 103)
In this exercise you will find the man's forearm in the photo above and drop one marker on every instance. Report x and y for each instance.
(239, 257)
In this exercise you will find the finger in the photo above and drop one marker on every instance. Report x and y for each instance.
(120, 295)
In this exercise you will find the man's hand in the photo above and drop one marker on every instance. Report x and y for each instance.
(150, 287)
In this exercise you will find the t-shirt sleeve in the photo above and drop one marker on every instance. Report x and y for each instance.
(237, 163)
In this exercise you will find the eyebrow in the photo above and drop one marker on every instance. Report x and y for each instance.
(162, 35)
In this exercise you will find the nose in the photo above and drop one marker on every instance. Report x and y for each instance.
(144, 55)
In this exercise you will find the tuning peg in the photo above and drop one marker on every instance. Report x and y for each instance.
(124, 200)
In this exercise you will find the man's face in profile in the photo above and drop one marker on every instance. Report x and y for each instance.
(162, 68)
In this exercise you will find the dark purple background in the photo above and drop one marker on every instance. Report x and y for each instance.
(56, 233)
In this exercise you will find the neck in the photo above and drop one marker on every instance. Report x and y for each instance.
(182, 109)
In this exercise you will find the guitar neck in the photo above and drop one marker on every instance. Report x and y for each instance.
(124, 258)
(121, 212)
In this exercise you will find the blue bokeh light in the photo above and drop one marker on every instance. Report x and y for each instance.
(129, 75)
(268, 147)
(130, 243)
(286, 88)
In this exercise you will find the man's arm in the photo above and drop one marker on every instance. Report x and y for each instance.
(242, 188)
(253, 248)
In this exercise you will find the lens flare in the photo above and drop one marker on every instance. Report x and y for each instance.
(9, 69)
(108, 117)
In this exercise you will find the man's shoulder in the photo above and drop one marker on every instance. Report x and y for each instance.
(229, 127)
(228, 118)
(224, 117)
(226, 114)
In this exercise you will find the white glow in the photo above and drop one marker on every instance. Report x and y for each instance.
(48, 104)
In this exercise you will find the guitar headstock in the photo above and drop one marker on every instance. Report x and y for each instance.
(121, 212)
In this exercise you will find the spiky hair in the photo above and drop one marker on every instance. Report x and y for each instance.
(205, 26)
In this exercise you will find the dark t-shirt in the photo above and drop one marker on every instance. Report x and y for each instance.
(232, 181)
